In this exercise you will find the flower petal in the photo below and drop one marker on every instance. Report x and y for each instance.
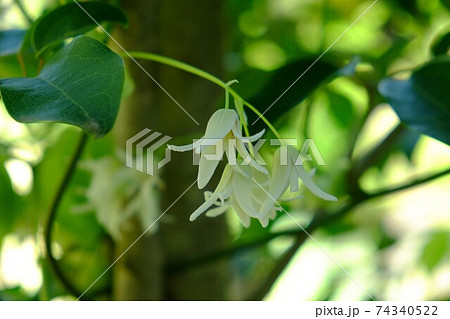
(242, 191)
(232, 160)
(260, 190)
(220, 190)
(279, 181)
(311, 186)
(290, 199)
(237, 130)
(254, 138)
(221, 123)
(207, 165)
(293, 182)
(188, 147)
(248, 159)
(220, 202)
(264, 221)
(245, 219)
(214, 212)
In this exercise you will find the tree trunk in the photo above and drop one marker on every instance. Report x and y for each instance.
(190, 31)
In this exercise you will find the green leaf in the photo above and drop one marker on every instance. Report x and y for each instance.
(10, 41)
(80, 85)
(435, 250)
(422, 101)
(441, 44)
(70, 20)
(27, 56)
(283, 78)
(341, 108)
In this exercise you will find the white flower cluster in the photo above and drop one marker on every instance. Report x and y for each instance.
(117, 194)
(245, 186)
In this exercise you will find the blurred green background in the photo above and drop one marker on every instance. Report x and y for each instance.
(395, 246)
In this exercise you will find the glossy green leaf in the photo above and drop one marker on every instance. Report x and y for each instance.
(70, 20)
(274, 98)
(435, 250)
(422, 101)
(27, 56)
(80, 85)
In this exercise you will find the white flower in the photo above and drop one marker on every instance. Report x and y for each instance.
(287, 169)
(239, 192)
(117, 193)
(223, 135)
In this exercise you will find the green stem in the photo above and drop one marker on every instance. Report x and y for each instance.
(53, 212)
(176, 64)
(272, 128)
(196, 71)
(227, 94)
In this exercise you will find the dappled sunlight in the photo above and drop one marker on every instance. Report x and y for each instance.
(88, 101)
(19, 264)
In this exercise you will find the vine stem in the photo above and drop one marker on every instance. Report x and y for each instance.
(53, 213)
(203, 74)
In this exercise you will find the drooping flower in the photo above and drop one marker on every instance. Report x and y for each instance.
(239, 192)
(223, 135)
(287, 169)
(117, 194)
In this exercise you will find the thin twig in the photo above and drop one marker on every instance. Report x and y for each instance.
(282, 263)
(416, 182)
(319, 221)
(380, 150)
(53, 212)
(322, 221)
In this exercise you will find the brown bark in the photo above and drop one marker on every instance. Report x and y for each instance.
(190, 31)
